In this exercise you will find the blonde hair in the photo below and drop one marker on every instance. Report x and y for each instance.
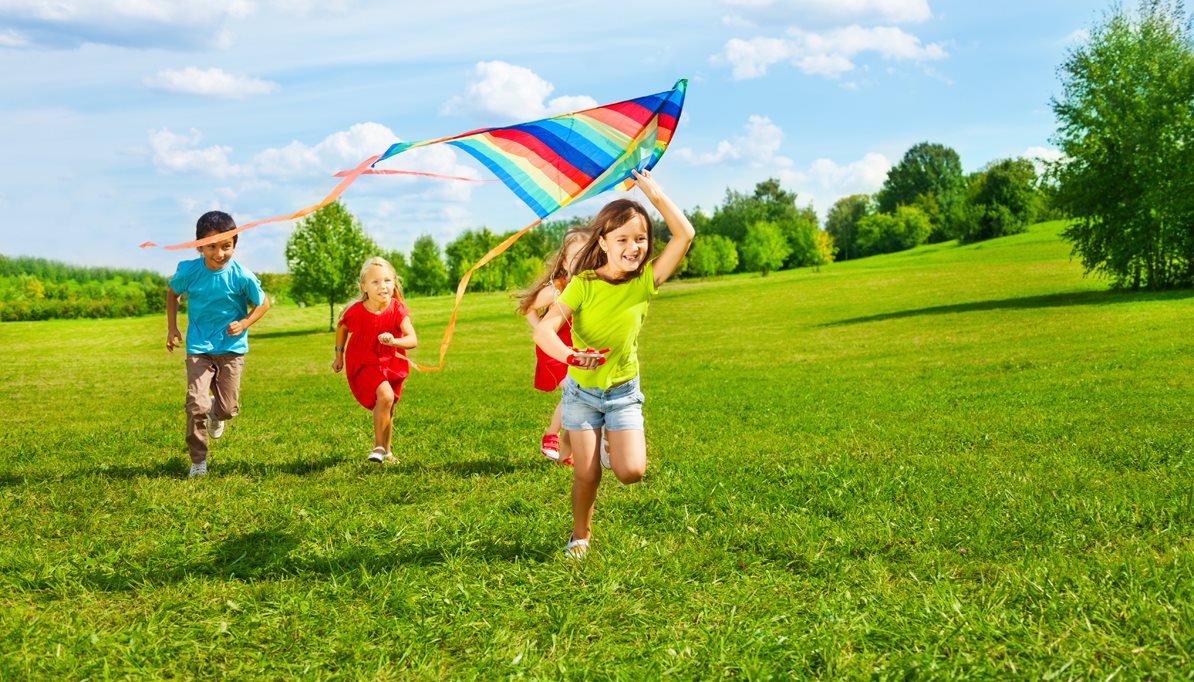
(379, 262)
(555, 268)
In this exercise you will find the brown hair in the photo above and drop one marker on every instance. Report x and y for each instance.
(615, 214)
(555, 269)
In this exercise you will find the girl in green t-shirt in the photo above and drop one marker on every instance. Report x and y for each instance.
(607, 298)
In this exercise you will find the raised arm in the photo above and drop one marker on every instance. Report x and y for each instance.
(677, 223)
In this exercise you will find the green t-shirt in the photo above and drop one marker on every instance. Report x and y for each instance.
(609, 316)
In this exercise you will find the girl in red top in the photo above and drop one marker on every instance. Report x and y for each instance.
(549, 372)
(376, 356)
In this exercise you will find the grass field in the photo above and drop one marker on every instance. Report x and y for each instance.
(952, 462)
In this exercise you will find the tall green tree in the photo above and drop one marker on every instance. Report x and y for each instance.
(1001, 199)
(1126, 129)
(711, 255)
(426, 272)
(842, 223)
(764, 248)
(890, 232)
(927, 170)
(324, 254)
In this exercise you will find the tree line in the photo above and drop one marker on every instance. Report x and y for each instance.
(40, 289)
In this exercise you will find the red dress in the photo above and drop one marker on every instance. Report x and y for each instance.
(368, 363)
(549, 372)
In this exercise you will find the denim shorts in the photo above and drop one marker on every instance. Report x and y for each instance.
(619, 408)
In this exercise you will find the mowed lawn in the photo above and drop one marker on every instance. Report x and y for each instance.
(953, 462)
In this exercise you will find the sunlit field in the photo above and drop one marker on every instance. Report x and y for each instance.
(951, 462)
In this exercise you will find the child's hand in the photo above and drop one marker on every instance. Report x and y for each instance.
(587, 358)
(173, 339)
(337, 365)
(236, 328)
(648, 185)
(385, 339)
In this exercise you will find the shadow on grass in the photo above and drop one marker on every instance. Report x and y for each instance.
(468, 468)
(179, 467)
(1078, 298)
(268, 554)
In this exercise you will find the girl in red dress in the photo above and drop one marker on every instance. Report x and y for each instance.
(533, 301)
(381, 333)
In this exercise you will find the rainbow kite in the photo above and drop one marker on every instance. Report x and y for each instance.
(548, 163)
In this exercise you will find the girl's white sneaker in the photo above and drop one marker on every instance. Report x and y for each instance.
(198, 470)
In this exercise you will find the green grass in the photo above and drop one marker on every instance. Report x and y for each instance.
(953, 462)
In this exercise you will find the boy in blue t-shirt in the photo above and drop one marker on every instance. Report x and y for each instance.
(219, 293)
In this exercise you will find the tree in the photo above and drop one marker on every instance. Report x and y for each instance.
(1000, 200)
(324, 255)
(769, 203)
(801, 235)
(1126, 129)
(842, 223)
(890, 232)
(711, 255)
(825, 249)
(764, 247)
(427, 274)
(926, 169)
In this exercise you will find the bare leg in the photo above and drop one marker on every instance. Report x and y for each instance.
(628, 455)
(383, 411)
(554, 426)
(586, 477)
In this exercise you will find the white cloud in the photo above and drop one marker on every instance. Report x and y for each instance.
(894, 11)
(757, 146)
(214, 82)
(513, 92)
(1042, 157)
(347, 148)
(173, 153)
(169, 24)
(11, 38)
(830, 53)
(825, 181)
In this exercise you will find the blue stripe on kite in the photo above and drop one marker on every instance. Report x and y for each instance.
(575, 149)
(579, 143)
(531, 194)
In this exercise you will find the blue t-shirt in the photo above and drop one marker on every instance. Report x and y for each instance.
(215, 299)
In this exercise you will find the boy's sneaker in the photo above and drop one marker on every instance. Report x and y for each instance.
(378, 455)
(604, 451)
(576, 549)
(549, 447)
(215, 427)
(198, 469)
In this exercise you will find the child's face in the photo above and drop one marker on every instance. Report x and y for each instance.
(378, 285)
(570, 253)
(217, 255)
(626, 247)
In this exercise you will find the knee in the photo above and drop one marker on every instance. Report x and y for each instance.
(385, 396)
(631, 474)
(586, 478)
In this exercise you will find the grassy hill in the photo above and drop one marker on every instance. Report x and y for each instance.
(947, 462)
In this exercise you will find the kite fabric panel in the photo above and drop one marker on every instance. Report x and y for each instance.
(559, 160)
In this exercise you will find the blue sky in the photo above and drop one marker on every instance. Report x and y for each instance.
(123, 120)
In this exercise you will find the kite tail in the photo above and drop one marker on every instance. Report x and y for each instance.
(349, 178)
(460, 289)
